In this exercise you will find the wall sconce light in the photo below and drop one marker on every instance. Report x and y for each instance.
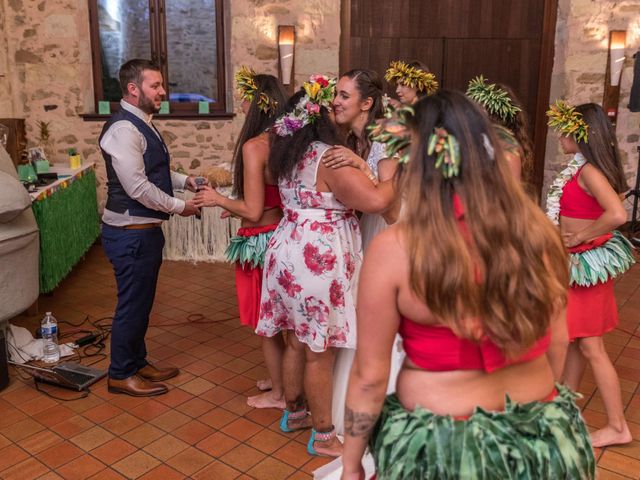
(611, 98)
(286, 44)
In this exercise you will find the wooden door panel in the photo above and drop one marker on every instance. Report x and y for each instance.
(446, 18)
(376, 54)
(512, 62)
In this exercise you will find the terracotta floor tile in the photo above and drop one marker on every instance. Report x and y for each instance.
(21, 395)
(239, 365)
(107, 474)
(197, 386)
(162, 472)
(37, 405)
(40, 441)
(81, 468)
(604, 474)
(243, 457)
(620, 464)
(102, 413)
(218, 395)
(150, 410)
(50, 476)
(264, 416)
(217, 444)
(241, 429)
(72, 426)
(4, 442)
(113, 451)
(219, 375)
(143, 435)
(199, 367)
(195, 407)
(54, 415)
(136, 464)
(218, 418)
(166, 447)
(22, 429)
(217, 471)
(86, 404)
(189, 461)
(267, 441)
(59, 454)
(92, 438)
(239, 384)
(175, 397)
(122, 423)
(238, 404)
(170, 420)
(29, 468)
(293, 453)
(299, 475)
(314, 463)
(10, 416)
(127, 402)
(271, 469)
(193, 432)
(11, 455)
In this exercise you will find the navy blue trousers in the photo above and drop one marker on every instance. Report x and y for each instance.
(136, 256)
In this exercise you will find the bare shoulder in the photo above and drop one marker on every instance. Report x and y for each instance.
(256, 147)
(591, 176)
(388, 251)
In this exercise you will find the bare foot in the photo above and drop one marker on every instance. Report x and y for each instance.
(611, 436)
(264, 384)
(267, 400)
(329, 448)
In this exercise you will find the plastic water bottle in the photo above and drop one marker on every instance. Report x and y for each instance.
(49, 328)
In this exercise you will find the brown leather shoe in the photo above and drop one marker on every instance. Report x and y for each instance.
(155, 374)
(136, 386)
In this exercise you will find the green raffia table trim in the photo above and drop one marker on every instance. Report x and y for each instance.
(69, 224)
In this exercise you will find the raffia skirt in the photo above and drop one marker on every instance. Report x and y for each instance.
(537, 440)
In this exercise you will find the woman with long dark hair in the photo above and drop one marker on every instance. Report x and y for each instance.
(473, 278)
(257, 201)
(312, 263)
(585, 201)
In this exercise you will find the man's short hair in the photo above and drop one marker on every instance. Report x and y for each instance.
(131, 72)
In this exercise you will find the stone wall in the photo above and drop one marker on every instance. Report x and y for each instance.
(49, 71)
(582, 36)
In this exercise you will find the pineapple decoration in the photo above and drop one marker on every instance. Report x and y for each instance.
(46, 140)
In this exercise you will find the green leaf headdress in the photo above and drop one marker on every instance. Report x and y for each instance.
(494, 99)
(247, 87)
(564, 119)
(393, 132)
(413, 77)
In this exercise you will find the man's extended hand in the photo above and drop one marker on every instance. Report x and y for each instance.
(189, 209)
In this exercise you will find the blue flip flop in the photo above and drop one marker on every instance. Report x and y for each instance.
(312, 439)
(284, 421)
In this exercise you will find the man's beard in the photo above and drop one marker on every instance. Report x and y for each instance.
(146, 104)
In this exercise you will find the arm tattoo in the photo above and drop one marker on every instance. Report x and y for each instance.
(359, 424)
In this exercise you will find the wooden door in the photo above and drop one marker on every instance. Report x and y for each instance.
(508, 41)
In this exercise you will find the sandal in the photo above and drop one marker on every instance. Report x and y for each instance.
(319, 437)
(284, 422)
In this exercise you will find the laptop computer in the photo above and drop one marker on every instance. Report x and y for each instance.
(71, 375)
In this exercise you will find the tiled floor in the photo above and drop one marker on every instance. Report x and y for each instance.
(202, 428)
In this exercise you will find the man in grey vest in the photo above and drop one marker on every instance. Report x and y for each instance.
(140, 196)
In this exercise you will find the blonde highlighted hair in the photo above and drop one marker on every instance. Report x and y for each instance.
(504, 268)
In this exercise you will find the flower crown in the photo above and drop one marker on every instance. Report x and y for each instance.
(494, 99)
(320, 91)
(247, 87)
(564, 119)
(413, 77)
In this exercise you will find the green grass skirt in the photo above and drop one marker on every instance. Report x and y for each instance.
(602, 263)
(537, 440)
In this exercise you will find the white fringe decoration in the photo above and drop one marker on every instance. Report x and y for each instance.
(193, 240)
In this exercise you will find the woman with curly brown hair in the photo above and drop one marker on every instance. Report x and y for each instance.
(473, 278)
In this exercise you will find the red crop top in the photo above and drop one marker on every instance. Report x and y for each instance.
(272, 197)
(576, 203)
(437, 349)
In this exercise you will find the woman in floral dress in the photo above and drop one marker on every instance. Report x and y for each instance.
(313, 259)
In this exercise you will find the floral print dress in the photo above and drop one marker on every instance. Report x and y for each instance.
(312, 263)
